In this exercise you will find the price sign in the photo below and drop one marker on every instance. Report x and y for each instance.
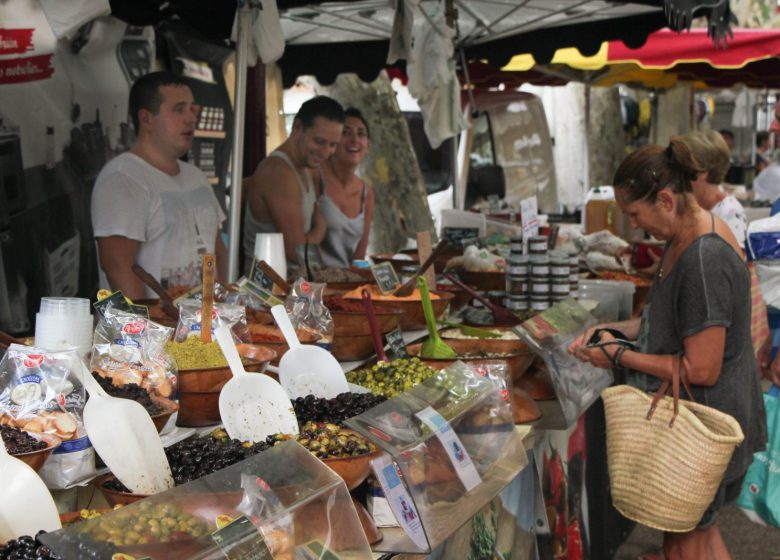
(459, 236)
(399, 499)
(385, 277)
(256, 291)
(114, 301)
(396, 347)
(529, 218)
(240, 539)
(259, 278)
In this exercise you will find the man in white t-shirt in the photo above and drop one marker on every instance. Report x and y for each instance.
(150, 208)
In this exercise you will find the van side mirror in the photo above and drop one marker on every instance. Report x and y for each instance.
(486, 180)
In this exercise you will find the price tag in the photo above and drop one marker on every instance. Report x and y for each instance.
(115, 301)
(399, 499)
(385, 277)
(458, 236)
(396, 347)
(259, 278)
(256, 291)
(529, 218)
(240, 540)
(458, 455)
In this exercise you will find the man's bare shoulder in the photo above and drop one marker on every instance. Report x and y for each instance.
(274, 178)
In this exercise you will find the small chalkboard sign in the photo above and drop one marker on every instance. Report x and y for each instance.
(385, 277)
(396, 347)
(240, 539)
(258, 277)
(115, 301)
(458, 235)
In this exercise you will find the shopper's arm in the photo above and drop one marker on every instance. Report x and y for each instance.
(629, 328)
(220, 251)
(117, 256)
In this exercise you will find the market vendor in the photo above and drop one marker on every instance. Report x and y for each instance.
(346, 202)
(697, 318)
(281, 194)
(148, 206)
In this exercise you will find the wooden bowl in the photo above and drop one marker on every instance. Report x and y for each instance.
(36, 459)
(461, 297)
(199, 393)
(413, 317)
(484, 281)
(347, 348)
(355, 323)
(353, 470)
(263, 335)
(537, 383)
(519, 358)
(114, 498)
(167, 408)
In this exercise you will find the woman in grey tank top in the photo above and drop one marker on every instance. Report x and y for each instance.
(346, 202)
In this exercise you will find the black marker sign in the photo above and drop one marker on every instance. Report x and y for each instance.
(385, 277)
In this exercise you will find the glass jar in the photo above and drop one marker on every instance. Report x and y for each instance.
(517, 285)
(518, 303)
(559, 265)
(560, 286)
(540, 285)
(540, 303)
(538, 244)
(516, 244)
(540, 265)
(517, 265)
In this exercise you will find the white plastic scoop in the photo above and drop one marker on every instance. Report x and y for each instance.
(26, 506)
(123, 433)
(252, 405)
(306, 369)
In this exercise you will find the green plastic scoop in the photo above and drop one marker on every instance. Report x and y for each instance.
(471, 331)
(434, 346)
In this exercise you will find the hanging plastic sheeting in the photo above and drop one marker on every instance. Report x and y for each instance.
(432, 77)
(266, 39)
(403, 25)
(66, 16)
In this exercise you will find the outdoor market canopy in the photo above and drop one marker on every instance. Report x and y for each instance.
(667, 58)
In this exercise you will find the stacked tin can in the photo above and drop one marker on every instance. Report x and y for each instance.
(517, 274)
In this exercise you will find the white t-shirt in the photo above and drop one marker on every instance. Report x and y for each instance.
(731, 211)
(766, 186)
(176, 218)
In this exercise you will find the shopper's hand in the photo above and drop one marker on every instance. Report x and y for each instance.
(650, 270)
(582, 340)
(764, 357)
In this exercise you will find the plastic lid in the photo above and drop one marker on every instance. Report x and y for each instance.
(64, 306)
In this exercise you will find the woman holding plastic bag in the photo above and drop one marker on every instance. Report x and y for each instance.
(697, 315)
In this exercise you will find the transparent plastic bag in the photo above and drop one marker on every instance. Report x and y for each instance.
(131, 349)
(307, 311)
(222, 315)
(41, 392)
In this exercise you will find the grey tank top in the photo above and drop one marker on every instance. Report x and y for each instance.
(343, 234)
(253, 226)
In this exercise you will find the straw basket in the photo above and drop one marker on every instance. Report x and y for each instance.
(661, 476)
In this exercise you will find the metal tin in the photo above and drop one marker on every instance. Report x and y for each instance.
(538, 244)
(540, 265)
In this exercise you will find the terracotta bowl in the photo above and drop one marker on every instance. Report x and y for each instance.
(199, 392)
(263, 335)
(36, 459)
(537, 383)
(413, 317)
(519, 359)
(524, 409)
(167, 408)
(71, 517)
(484, 281)
(347, 348)
(355, 322)
(461, 297)
(114, 498)
(354, 470)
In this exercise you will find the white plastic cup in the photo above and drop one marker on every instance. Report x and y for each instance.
(65, 306)
(269, 247)
(60, 332)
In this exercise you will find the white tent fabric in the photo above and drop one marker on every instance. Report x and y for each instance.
(66, 16)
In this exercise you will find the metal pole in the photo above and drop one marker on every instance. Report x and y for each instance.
(236, 175)
(586, 144)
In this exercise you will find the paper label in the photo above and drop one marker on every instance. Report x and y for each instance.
(256, 291)
(241, 540)
(385, 277)
(399, 499)
(458, 455)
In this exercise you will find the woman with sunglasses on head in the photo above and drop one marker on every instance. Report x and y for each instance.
(697, 318)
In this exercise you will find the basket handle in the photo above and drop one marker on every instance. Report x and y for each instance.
(678, 375)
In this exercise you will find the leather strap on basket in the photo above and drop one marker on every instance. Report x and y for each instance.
(678, 375)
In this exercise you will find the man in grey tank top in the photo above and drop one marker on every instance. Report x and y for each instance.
(281, 195)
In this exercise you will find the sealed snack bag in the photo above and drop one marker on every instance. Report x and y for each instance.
(41, 392)
(307, 311)
(128, 348)
(222, 315)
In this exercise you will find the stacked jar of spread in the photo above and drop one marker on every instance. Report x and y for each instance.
(559, 276)
(517, 273)
(574, 274)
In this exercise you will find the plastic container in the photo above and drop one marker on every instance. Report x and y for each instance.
(616, 298)
(64, 306)
(63, 323)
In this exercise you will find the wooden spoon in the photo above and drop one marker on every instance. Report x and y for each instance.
(408, 287)
(166, 303)
(207, 303)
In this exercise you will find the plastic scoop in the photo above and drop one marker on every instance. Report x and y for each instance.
(306, 369)
(434, 346)
(373, 327)
(26, 506)
(252, 405)
(123, 433)
(502, 316)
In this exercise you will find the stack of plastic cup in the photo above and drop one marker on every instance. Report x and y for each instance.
(63, 323)
(269, 247)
